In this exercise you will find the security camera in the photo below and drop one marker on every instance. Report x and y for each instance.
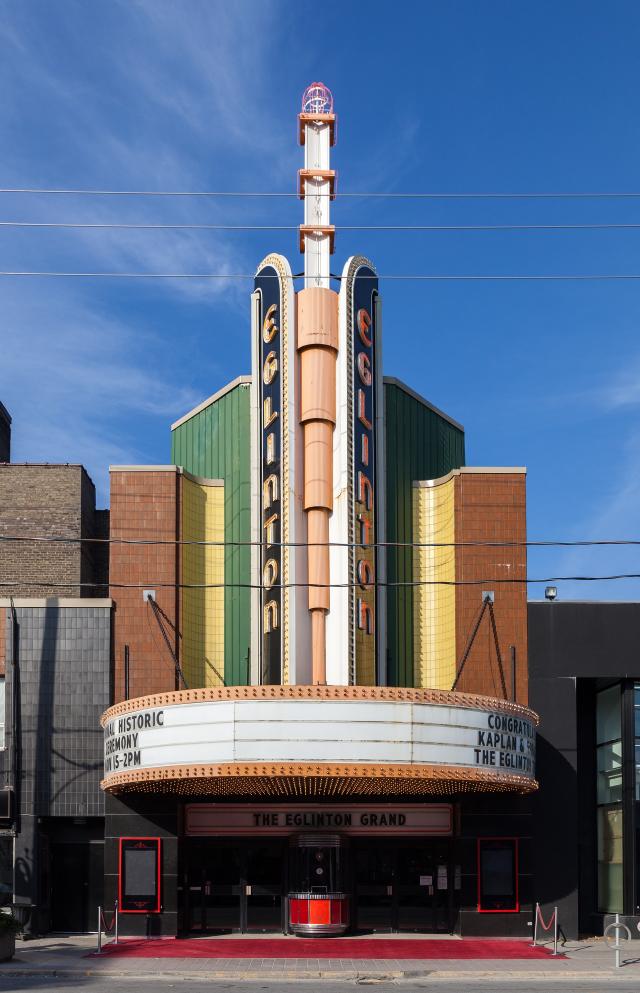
(550, 592)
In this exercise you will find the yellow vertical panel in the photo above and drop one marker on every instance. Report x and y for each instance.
(202, 566)
(434, 602)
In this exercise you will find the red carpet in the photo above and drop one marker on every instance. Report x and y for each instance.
(323, 948)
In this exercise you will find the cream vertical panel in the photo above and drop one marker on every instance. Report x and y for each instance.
(203, 568)
(434, 602)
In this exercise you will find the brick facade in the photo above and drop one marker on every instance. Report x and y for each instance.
(145, 505)
(490, 506)
(43, 501)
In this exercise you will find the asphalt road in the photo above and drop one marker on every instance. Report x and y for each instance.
(25, 984)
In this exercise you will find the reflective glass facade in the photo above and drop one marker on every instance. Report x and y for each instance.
(609, 799)
(636, 729)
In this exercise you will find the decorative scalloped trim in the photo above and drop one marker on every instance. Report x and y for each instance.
(305, 778)
(395, 694)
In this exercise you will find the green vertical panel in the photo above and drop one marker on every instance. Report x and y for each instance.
(391, 478)
(215, 443)
(420, 443)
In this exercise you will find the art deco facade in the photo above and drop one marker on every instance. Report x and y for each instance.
(320, 714)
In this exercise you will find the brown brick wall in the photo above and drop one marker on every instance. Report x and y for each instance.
(47, 501)
(144, 505)
(491, 507)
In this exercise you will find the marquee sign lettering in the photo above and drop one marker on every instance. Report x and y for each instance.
(298, 730)
(268, 283)
(209, 819)
(364, 290)
(507, 743)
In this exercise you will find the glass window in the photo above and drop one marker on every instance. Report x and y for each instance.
(609, 798)
(610, 860)
(610, 772)
(608, 716)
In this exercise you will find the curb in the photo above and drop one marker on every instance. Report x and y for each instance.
(304, 974)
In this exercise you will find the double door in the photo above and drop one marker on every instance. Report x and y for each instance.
(405, 885)
(75, 875)
(234, 886)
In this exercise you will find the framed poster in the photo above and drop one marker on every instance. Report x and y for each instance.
(139, 876)
(498, 876)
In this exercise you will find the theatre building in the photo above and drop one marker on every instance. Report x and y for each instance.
(320, 716)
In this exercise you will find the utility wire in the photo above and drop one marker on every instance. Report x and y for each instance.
(337, 194)
(156, 584)
(598, 277)
(547, 543)
(606, 226)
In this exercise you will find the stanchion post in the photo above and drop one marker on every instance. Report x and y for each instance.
(617, 946)
(116, 925)
(535, 926)
(99, 930)
(555, 931)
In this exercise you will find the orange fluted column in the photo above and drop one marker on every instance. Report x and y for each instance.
(318, 347)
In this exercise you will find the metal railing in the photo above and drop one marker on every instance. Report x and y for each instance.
(553, 923)
(112, 927)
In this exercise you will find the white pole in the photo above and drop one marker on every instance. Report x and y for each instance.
(535, 926)
(617, 944)
(116, 914)
(99, 930)
(555, 931)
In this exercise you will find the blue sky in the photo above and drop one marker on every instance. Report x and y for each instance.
(448, 96)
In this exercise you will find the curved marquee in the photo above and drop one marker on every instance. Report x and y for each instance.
(279, 740)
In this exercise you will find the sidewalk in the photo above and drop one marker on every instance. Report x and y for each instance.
(67, 957)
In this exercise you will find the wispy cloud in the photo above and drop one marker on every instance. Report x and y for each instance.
(623, 389)
(74, 384)
(143, 94)
(610, 511)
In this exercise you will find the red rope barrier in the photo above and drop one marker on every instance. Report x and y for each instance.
(108, 927)
(545, 927)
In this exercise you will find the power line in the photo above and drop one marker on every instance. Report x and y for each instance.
(543, 543)
(156, 584)
(569, 195)
(141, 226)
(432, 277)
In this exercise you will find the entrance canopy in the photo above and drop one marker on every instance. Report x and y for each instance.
(318, 741)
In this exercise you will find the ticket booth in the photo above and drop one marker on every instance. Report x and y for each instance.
(318, 903)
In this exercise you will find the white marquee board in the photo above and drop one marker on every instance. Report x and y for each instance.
(350, 731)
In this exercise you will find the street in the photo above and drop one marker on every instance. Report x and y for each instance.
(12, 984)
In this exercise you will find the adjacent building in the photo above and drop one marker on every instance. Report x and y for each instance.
(585, 681)
(55, 651)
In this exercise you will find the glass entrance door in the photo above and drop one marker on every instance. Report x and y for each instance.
(214, 886)
(374, 872)
(264, 886)
(423, 886)
(403, 884)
